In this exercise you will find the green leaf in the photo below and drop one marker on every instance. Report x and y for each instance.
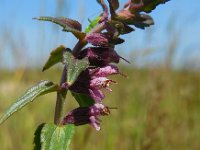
(83, 99)
(37, 137)
(146, 5)
(150, 5)
(68, 25)
(55, 57)
(92, 24)
(54, 137)
(37, 90)
(74, 66)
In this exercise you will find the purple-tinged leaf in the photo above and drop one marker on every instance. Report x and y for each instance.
(145, 5)
(55, 57)
(68, 25)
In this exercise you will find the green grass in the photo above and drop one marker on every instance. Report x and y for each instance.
(157, 109)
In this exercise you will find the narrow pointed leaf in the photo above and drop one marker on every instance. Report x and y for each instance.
(37, 90)
(55, 57)
(150, 5)
(83, 99)
(114, 3)
(54, 137)
(92, 24)
(142, 21)
(68, 25)
(146, 5)
(74, 66)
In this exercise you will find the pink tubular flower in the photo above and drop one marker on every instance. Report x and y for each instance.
(91, 81)
(104, 71)
(101, 82)
(87, 115)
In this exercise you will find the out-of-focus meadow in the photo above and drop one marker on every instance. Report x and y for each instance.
(157, 109)
(158, 104)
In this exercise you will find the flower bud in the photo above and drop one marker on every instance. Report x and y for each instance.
(99, 56)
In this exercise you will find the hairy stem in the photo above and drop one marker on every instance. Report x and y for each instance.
(60, 100)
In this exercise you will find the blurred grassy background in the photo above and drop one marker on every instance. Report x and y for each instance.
(157, 109)
(158, 104)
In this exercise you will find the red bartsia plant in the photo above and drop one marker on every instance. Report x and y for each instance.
(86, 70)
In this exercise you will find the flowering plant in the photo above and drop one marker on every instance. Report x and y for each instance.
(85, 69)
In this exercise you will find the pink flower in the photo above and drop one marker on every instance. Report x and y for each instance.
(104, 71)
(93, 80)
(87, 115)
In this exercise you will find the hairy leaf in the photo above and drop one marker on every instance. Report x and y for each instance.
(54, 137)
(68, 25)
(55, 57)
(39, 89)
(74, 66)
(145, 5)
(83, 99)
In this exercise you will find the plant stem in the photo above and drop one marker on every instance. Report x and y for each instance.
(78, 47)
(60, 100)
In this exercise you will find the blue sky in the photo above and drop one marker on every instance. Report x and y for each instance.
(40, 38)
